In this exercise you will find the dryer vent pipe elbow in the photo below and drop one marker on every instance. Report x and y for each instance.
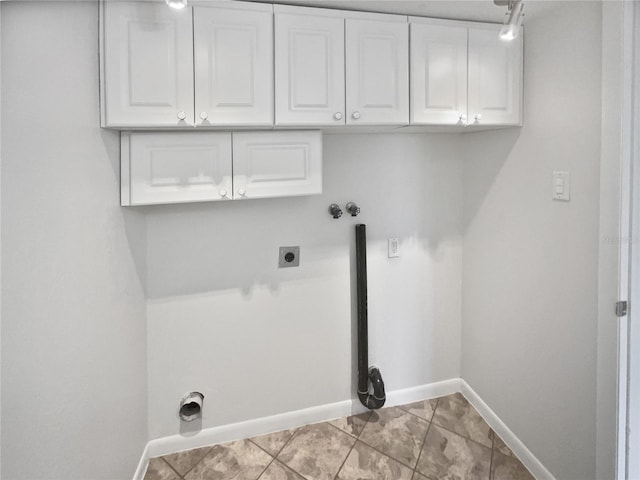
(377, 399)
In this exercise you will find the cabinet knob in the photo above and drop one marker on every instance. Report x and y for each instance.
(204, 115)
(338, 116)
(182, 115)
(356, 115)
(242, 191)
(477, 118)
(223, 193)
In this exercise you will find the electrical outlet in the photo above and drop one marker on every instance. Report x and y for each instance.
(394, 247)
(289, 257)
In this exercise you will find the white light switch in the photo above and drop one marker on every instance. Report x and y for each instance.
(561, 186)
(394, 247)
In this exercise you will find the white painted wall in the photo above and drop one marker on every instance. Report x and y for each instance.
(74, 402)
(258, 340)
(530, 270)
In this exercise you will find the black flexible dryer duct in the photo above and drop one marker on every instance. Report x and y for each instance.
(365, 374)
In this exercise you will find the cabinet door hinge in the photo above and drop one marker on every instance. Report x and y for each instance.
(621, 308)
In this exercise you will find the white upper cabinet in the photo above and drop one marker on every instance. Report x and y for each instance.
(234, 65)
(495, 78)
(309, 63)
(438, 74)
(148, 65)
(377, 77)
(463, 74)
(318, 68)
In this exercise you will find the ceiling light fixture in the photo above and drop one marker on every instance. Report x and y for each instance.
(515, 13)
(177, 4)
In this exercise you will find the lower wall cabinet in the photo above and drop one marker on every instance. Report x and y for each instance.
(180, 167)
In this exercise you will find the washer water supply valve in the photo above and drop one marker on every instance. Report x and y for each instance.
(191, 406)
(353, 209)
(335, 210)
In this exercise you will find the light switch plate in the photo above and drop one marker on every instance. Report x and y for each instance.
(561, 186)
(394, 247)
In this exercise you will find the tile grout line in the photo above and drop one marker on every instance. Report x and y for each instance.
(354, 443)
(416, 415)
(171, 467)
(335, 477)
(357, 439)
(493, 446)
(386, 454)
(268, 464)
(284, 465)
(268, 453)
(472, 409)
(196, 464)
(462, 436)
(344, 431)
(273, 457)
(341, 430)
(365, 423)
(424, 440)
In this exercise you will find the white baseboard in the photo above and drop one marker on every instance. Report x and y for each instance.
(251, 428)
(423, 392)
(323, 413)
(142, 464)
(283, 421)
(534, 465)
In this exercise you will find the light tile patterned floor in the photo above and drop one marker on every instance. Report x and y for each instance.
(443, 438)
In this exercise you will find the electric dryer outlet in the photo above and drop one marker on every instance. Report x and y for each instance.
(289, 257)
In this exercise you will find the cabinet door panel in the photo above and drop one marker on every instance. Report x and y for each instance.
(233, 66)
(176, 167)
(377, 63)
(438, 74)
(148, 78)
(495, 78)
(309, 70)
(276, 164)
